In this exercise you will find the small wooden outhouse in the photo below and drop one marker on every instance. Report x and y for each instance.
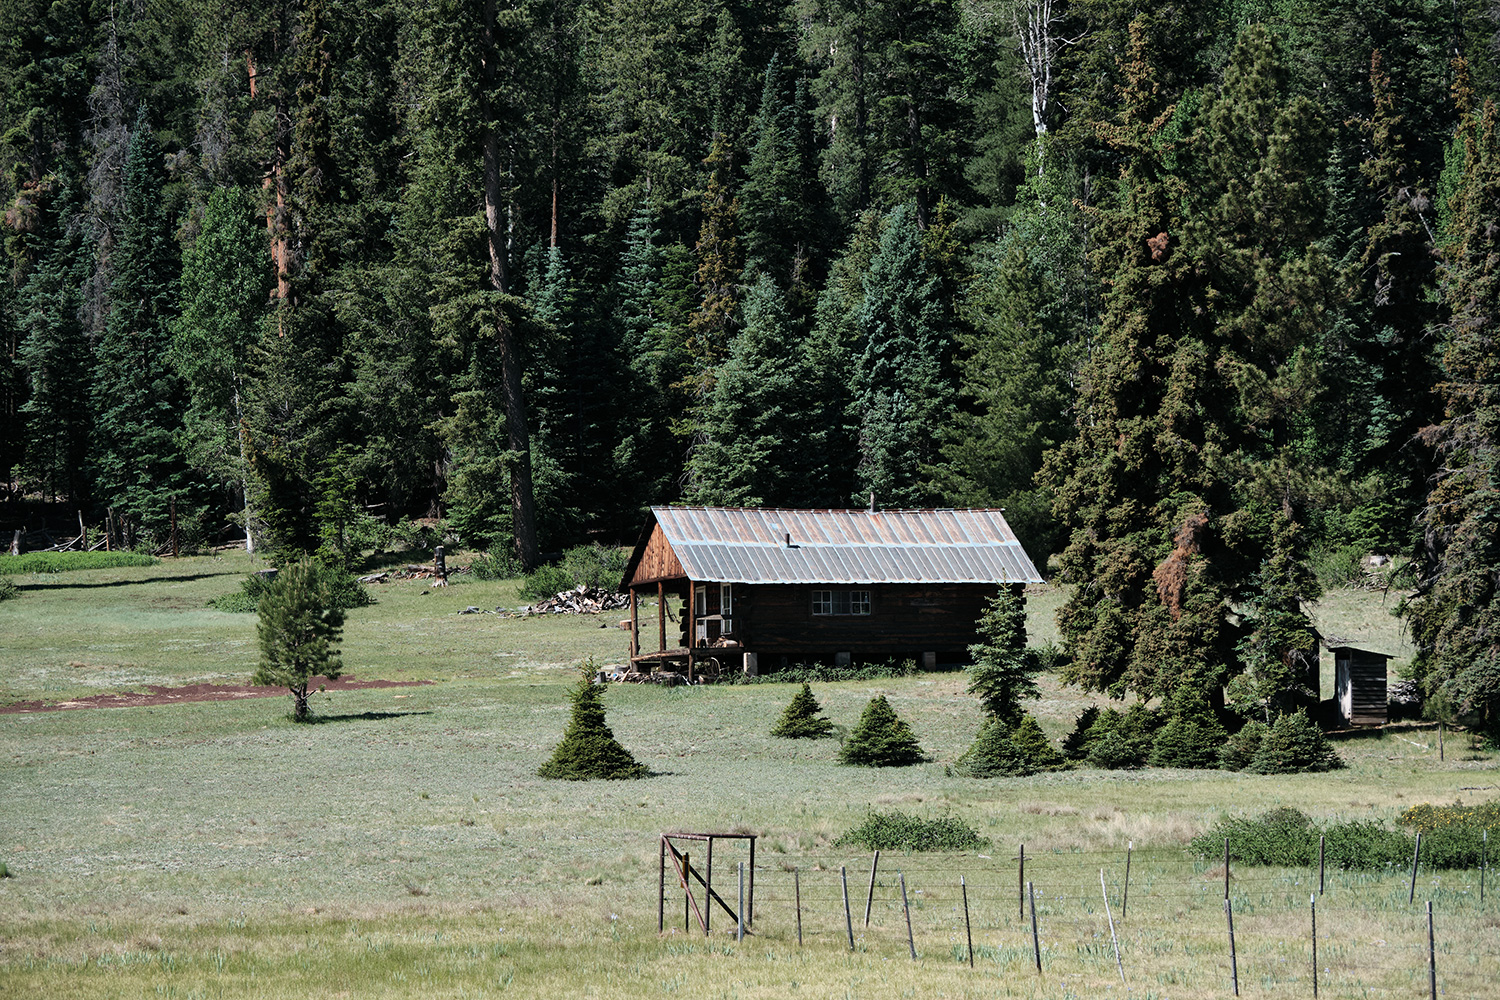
(762, 587)
(1359, 686)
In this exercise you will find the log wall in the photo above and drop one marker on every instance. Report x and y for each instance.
(776, 620)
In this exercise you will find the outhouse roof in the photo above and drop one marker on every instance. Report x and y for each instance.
(772, 545)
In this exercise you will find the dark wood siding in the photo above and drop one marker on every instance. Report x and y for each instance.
(776, 620)
(658, 561)
(1360, 678)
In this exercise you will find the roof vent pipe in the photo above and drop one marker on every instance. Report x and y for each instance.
(872, 501)
(788, 539)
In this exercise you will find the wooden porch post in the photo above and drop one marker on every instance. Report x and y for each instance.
(635, 628)
(661, 618)
(692, 625)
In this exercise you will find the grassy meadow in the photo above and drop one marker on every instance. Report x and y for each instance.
(403, 846)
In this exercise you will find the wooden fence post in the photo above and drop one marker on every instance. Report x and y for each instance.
(1112, 936)
(1234, 963)
(1036, 941)
(968, 933)
(1021, 882)
(739, 930)
(1125, 895)
(797, 888)
(1431, 957)
(848, 920)
(1226, 875)
(870, 896)
(661, 887)
(1411, 896)
(1312, 902)
(1322, 843)
(911, 943)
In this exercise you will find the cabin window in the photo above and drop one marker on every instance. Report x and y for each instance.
(841, 602)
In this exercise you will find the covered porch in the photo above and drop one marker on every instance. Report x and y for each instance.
(701, 641)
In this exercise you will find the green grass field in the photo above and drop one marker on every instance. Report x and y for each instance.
(403, 846)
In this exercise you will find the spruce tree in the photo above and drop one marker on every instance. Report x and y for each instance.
(802, 718)
(226, 275)
(299, 623)
(1001, 675)
(137, 395)
(994, 754)
(1455, 615)
(1294, 744)
(903, 381)
(881, 739)
(1032, 743)
(589, 749)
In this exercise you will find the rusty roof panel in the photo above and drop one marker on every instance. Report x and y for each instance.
(749, 545)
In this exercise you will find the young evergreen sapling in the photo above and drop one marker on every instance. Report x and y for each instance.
(299, 625)
(589, 749)
(881, 739)
(1001, 676)
(801, 719)
(993, 754)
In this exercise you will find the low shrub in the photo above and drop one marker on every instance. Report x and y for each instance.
(897, 831)
(881, 739)
(1116, 752)
(802, 718)
(8, 588)
(819, 674)
(1428, 817)
(1285, 838)
(1343, 566)
(62, 562)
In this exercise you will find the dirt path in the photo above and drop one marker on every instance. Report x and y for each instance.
(159, 695)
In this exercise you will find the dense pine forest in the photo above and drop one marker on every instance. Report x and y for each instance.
(1201, 294)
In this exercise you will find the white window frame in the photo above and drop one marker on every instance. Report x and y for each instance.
(840, 603)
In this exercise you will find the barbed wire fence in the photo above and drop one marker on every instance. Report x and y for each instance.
(1155, 918)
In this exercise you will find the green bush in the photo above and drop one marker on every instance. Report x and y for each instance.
(1427, 817)
(1116, 741)
(595, 565)
(1343, 566)
(993, 754)
(62, 562)
(1292, 745)
(1240, 749)
(340, 588)
(880, 739)
(819, 674)
(1116, 752)
(546, 581)
(589, 749)
(802, 718)
(499, 563)
(1189, 743)
(897, 831)
(8, 588)
(1285, 838)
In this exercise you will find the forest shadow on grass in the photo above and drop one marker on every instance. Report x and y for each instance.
(318, 720)
(26, 583)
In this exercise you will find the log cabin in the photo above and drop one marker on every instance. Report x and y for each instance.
(757, 588)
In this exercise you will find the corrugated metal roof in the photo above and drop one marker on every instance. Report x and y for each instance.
(749, 545)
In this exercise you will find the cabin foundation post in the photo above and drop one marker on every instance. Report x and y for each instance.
(661, 618)
(635, 628)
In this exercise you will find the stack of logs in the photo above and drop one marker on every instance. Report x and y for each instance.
(581, 600)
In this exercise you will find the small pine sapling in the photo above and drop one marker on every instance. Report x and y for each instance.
(1075, 745)
(299, 624)
(1002, 674)
(993, 755)
(881, 739)
(802, 718)
(1294, 744)
(1240, 749)
(1033, 744)
(589, 749)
